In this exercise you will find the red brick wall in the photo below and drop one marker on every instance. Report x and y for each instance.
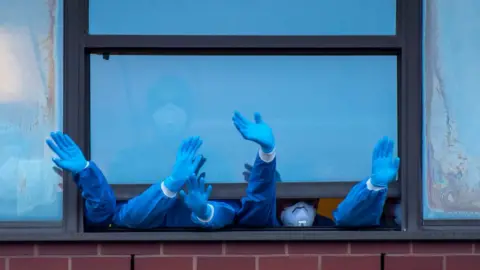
(240, 256)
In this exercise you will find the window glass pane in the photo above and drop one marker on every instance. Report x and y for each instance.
(246, 17)
(452, 131)
(327, 113)
(30, 107)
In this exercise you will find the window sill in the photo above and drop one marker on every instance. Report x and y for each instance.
(247, 235)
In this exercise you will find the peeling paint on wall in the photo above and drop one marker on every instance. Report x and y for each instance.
(451, 92)
(30, 92)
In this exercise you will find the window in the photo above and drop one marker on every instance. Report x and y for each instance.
(163, 99)
(170, 82)
(337, 75)
(451, 150)
(31, 70)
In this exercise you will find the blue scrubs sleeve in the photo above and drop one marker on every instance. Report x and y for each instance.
(145, 211)
(100, 201)
(258, 207)
(361, 207)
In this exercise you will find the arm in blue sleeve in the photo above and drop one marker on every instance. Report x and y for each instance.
(99, 199)
(258, 207)
(363, 206)
(147, 210)
(221, 214)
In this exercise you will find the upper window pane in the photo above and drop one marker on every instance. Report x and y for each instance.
(30, 107)
(327, 112)
(245, 17)
(451, 94)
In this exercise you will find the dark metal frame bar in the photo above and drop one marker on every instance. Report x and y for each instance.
(412, 112)
(286, 190)
(132, 43)
(406, 44)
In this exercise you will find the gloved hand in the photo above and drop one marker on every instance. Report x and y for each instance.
(186, 164)
(384, 166)
(197, 197)
(248, 171)
(258, 132)
(70, 156)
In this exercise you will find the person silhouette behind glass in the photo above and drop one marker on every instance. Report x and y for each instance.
(160, 122)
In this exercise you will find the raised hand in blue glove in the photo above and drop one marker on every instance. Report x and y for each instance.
(384, 166)
(70, 157)
(186, 164)
(197, 197)
(258, 132)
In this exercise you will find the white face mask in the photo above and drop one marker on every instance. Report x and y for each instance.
(300, 214)
(170, 118)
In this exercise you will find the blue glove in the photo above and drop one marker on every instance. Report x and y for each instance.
(384, 166)
(186, 164)
(258, 132)
(197, 197)
(70, 156)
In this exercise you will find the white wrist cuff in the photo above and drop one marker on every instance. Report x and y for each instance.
(267, 157)
(166, 191)
(211, 215)
(370, 186)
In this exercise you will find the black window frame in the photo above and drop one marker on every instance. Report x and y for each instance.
(108, 45)
(406, 45)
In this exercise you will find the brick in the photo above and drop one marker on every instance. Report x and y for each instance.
(130, 248)
(380, 247)
(101, 263)
(288, 263)
(463, 262)
(38, 263)
(2, 264)
(317, 247)
(350, 262)
(67, 249)
(222, 263)
(414, 263)
(192, 248)
(16, 249)
(443, 247)
(255, 248)
(477, 247)
(156, 263)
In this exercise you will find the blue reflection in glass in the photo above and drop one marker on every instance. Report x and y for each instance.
(327, 113)
(245, 17)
